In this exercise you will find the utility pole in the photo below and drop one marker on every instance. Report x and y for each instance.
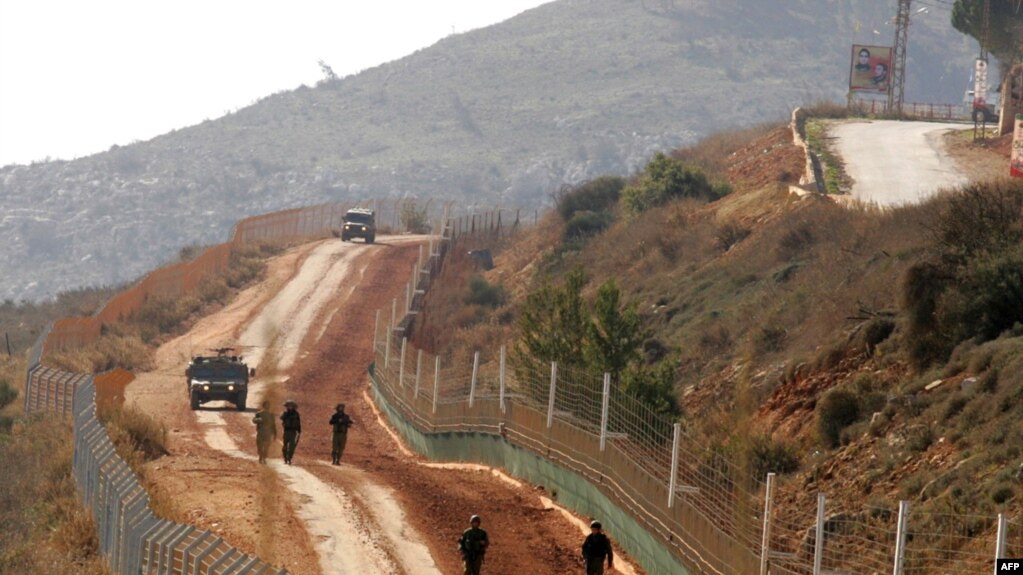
(896, 90)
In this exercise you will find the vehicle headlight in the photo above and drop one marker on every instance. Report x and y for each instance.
(206, 387)
(230, 388)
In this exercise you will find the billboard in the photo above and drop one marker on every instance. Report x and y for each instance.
(870, 68)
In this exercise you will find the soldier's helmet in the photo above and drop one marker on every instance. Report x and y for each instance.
(290, 403)
(595, 525)
(339, 406)
(474, 519)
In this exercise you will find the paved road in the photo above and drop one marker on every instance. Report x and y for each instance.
(895, 163)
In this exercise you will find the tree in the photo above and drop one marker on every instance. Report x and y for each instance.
(664, 179)
(551, 328)
(615, 333)
(1005, 26)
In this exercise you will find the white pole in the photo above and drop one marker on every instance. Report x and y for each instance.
(420, 266)
(419, 365)
(436, 381)
(765, 544)
(387, 341)
(550, 400)
(475, 372)
(376, 331)
(1000, 541)
(604, 404)
(501, 380)
(675, 440)
(818, 544)
(900, 538)
(408, 296)
(401, 363)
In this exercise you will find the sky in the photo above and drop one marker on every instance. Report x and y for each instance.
(79, 76)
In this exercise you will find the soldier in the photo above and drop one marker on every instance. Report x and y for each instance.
(292, 424)
(340, 421)
(595, 548)
(473, 545)
(266, 430)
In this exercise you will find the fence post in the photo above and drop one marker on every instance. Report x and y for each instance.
(376, 331)
(604, 403)
(390, 333)
(475, 372)
(550, 399)
(501, 382)
(676, 439)
(436, 381)
(818, 543)
(419, 365)
(408, 296)
(401, 363)
(1000, 541)
(766, 542)
(900, 538)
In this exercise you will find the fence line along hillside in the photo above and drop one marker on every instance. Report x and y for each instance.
(674, 504)
(132, 539)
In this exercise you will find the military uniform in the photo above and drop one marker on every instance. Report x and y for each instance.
(340, 422)
(596, 548)
(292, 424)
(266, 431)
(473, 545)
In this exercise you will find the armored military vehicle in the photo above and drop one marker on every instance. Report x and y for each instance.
(359, 223)
(218, 377)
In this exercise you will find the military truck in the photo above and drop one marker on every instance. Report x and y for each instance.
(218, 377)
(359, 223)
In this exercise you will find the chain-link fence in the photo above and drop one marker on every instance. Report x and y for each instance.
(707, 511)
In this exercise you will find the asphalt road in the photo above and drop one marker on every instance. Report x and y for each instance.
(896, 163)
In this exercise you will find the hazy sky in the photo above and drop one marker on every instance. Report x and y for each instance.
(77, 76)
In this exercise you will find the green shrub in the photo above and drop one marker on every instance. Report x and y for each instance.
(1002, 493)
(765, 455)
(665, 179)
(585, 224)
(730, 234)
(7, 393)
(836, 410)
(919, 438)
(483, 293)
(597, 195)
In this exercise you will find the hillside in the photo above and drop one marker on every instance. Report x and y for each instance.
(502, 115)
(873, 356)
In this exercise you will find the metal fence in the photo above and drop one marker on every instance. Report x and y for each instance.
(713, 516)
(132, 539)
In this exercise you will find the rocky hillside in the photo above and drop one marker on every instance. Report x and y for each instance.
(502, 115)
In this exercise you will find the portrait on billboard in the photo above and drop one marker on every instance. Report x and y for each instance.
(870, 70)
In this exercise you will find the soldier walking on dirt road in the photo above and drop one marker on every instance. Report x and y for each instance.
(596, 547)
(473, 545)
(292, 424)
(340, 422)
(266, 430)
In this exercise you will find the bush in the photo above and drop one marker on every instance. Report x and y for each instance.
(765, 455)
(585, 224)
(598, 195)
(665, 179)
(730, 234)
(838, 409)
(486, 294)
(7, 393)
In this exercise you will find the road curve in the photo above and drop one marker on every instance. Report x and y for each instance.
(895, 163)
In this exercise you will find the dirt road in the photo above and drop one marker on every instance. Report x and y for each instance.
(307, 331)
(895, 163)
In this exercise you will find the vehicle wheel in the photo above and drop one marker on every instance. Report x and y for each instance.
(344, 238)
(194, 397)
(369, 239)
(239, 402)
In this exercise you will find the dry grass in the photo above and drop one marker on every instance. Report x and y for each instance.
(45, 528)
